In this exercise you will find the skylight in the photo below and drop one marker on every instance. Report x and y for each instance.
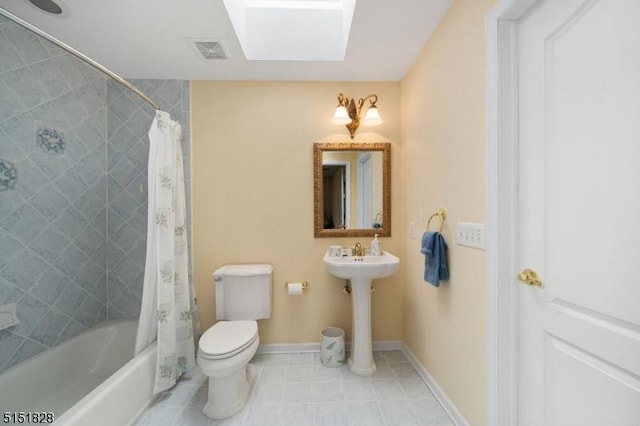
(292, 30)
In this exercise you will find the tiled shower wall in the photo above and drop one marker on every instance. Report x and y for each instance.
(73, 157)
(52, 193)
(128, 121)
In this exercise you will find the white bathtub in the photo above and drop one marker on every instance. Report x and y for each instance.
(89, 379)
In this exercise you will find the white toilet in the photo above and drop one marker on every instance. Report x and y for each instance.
(243, 295)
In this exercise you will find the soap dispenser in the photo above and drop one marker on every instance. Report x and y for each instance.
(376, 249)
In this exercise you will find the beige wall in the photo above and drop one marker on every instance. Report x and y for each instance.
(443, 164)
(253, 200)
(252, 171)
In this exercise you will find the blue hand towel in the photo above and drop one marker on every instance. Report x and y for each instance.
(435, 263)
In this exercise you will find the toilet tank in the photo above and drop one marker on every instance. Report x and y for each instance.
(243, 292)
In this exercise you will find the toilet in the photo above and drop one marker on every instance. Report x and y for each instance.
(243, 295)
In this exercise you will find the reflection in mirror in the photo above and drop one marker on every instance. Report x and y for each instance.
(352, 189)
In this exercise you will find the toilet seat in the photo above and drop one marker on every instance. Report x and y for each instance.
(227, 338)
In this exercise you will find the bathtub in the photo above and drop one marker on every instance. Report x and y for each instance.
(92, 378)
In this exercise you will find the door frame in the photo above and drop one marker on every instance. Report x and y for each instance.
(501, 42)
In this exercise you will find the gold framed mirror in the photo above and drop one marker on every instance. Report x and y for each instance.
(352, 189)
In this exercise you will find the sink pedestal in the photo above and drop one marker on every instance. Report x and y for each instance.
(361, 270)
(361, 358)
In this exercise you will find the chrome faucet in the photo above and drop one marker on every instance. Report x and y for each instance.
(358, 250)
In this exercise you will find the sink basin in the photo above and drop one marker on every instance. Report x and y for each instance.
(361, 271)
(370, 267)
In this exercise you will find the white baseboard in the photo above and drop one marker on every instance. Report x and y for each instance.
(387, 345)
(284, 348)
(455, 415)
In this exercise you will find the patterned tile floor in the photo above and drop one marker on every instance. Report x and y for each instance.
(296, 389)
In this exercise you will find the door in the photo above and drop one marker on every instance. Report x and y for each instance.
(579, 213)
(339, 199)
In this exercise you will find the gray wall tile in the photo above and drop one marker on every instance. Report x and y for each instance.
(67, 262)
(50, 328)
(23, 81)
(25, 270)
(50, 77)
(46, 239)
(26, 43)
(10, 104)
(51, 285)
(9, 58)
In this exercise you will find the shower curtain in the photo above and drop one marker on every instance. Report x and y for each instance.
(168, 309)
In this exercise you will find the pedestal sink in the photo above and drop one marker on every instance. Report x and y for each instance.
(361, 271)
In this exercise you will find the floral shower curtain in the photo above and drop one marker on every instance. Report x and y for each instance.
(168, 309)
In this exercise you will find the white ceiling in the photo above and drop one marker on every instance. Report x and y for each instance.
(150, 39)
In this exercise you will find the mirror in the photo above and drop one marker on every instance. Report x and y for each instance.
(352, 189)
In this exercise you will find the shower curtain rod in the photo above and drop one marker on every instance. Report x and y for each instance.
(79, 55)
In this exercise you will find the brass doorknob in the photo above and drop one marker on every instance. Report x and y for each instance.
(529, 277)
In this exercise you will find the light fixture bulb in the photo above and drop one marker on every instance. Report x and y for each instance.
(373, 116)
(341, 116)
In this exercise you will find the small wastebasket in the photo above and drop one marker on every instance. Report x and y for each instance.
(332, 347)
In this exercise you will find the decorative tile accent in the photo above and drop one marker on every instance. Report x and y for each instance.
(51, 141)
(8, 175)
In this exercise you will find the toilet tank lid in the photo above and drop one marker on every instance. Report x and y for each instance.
(244, 270)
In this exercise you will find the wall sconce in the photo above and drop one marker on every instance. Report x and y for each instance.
(347, 113)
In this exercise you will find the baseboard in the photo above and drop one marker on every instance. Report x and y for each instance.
(455, 415)
(284, 348)
(387, 345)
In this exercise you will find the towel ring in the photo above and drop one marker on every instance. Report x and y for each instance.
(441, 214)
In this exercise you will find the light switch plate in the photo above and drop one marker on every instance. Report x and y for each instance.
(471, 235)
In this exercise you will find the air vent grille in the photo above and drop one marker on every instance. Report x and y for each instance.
(211, 49)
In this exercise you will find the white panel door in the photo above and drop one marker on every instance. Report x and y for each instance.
(579, 213)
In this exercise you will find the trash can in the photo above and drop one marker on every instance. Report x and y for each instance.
(332, 347)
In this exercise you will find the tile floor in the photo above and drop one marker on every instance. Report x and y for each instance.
(296, 389)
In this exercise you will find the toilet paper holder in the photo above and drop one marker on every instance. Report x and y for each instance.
(305, 284)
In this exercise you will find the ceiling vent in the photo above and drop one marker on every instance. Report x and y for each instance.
(210, 49)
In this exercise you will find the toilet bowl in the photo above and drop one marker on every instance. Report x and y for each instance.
(224, 353)
(243, 295)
